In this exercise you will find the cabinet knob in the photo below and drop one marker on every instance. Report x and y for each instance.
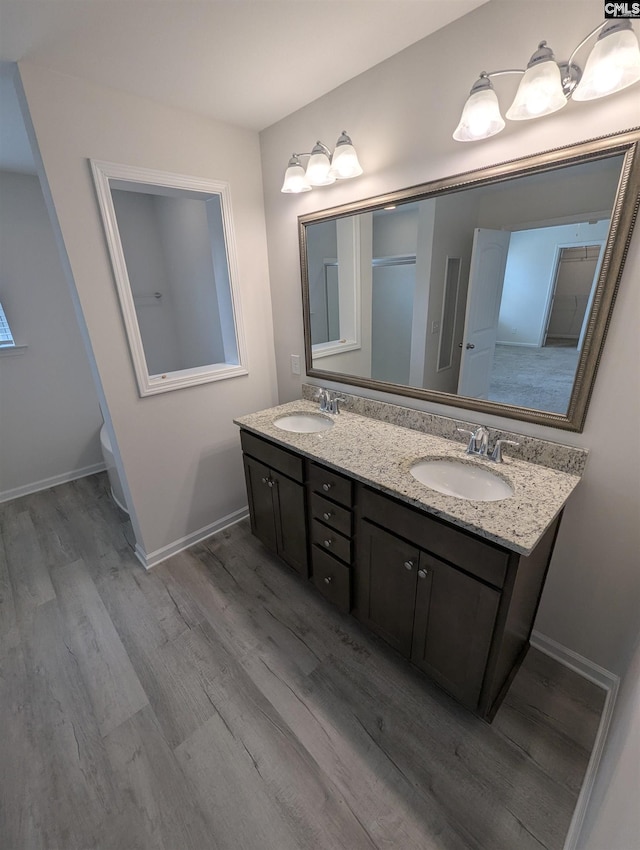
(270, 483)
(264, 480)
(422, 573)
(328, 542)
(328, 580)
(327, 515)
(326, 487)
(408, 565)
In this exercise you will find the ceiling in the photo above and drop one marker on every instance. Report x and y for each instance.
(243, 62)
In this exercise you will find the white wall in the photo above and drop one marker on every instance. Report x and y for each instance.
(530, 274)
(322, 244)
(189, 260)
(453, 237)
(49, 413)
(180, 449)
(613, 819)
(579, 192)
(140, 235)
(400, 116)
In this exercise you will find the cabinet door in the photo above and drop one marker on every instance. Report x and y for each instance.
(454, 620)
(259, 493)
(386, 585)
(290, 523)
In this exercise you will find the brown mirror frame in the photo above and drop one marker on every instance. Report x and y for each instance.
(623, 218)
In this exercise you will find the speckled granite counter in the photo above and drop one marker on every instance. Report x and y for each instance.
(380, 454)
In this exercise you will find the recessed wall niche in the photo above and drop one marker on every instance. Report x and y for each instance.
(171, 243)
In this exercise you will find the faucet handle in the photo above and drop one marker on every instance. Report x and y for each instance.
(472, 438)
(323, 397)
(496, 455)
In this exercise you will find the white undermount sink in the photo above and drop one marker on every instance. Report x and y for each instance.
(463, 479)
(304, 423)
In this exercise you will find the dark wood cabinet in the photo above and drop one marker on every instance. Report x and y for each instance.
(436, 615)
(386, 578)
(455, 615)
(260, 495)
(277, 502)
(331, 533)
(459, 607)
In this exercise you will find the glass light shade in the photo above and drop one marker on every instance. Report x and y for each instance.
(344, 162)
(613, 64)
(295, 179)
(480, 117)
(539, 93)
(318, 167)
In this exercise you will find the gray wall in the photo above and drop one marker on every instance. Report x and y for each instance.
(400, 116)
(408, 147)
(180, 450)
(49, 413)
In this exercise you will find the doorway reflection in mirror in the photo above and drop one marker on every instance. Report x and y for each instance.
(484, 292)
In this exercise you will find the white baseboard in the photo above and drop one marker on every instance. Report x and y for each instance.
(149, 560)
(605, 679)
(46, 483)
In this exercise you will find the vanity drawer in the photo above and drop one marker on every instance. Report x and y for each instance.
(331, 514)
(332, 579)
(454, 545)
(330, 541)
(272, 456)
(331, 484)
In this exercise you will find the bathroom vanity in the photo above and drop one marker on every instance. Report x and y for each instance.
(452, 584)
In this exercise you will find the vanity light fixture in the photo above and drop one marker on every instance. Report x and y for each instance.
(323, 167)
(547, 84)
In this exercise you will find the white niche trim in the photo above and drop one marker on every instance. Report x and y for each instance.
(225, 333)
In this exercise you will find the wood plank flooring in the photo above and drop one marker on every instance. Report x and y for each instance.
(218, 703)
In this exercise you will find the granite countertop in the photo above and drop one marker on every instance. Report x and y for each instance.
(380, 454)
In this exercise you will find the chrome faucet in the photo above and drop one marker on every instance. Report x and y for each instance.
(479, 443)
(334, 403)
(478, 440)
(329, 402)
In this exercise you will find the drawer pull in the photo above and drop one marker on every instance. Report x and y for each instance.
(326, 487)
(422, 573)
(328, 542)
(327, 515)
(408, 565)
(328, 580)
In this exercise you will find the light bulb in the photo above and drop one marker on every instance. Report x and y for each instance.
(540, 91)
(481, 114)
(613, 64)
(318, 173)
(295, 179)
(344, 163)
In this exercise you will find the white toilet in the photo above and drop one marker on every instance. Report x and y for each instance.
(114, 479)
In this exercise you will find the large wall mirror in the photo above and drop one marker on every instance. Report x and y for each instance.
(171, 243)
(491, 290)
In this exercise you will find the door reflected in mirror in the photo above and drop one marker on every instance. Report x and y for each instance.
(169, 238)
(481, 292)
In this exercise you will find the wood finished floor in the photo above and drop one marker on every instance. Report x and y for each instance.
(218, 703)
